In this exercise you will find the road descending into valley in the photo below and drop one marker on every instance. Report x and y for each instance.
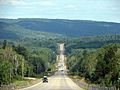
(59, 81)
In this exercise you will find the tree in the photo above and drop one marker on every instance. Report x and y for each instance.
(5, 76)
(4, 44)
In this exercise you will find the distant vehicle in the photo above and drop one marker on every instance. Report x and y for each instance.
(45, 79)
(61, 70)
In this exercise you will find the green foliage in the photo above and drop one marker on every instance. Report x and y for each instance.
(4, 44)
(22, 51)
(90, 42)
(17, 61)
(10, 62)
(99, 66)
(4, 72)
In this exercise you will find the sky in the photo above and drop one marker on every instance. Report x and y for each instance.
(97, 10)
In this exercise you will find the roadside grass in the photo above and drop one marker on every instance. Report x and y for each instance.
(25, 82)
(28, 81)
(76, 77)
(80, 79)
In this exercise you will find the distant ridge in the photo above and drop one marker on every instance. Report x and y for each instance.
(74, 28)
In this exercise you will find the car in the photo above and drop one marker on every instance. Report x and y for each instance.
(45, 79)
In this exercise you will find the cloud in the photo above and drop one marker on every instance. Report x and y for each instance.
(12, 2)
(47, 3)
(40, 2)
(71, 7)
(18, 3)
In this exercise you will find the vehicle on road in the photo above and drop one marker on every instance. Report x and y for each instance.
(62, 70)
(45, 79)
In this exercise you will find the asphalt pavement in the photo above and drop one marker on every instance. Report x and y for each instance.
(59, 81)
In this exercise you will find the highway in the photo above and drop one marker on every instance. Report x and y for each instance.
(59, 81)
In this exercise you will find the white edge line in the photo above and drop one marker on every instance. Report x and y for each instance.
(31, 86)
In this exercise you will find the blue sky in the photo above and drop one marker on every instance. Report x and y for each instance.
(98, 10)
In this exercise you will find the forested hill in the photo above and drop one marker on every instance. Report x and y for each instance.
(65, 27)
(10, 30)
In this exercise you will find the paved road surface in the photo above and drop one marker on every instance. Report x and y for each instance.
(57, 82)
(60, 81)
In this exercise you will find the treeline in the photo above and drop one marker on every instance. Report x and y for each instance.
(17, 61)
(72, 43)
(100, 66)
(90, 42)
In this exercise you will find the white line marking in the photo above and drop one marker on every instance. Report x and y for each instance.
(31, 86)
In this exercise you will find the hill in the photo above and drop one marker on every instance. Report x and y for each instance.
(75, 28)
(9, 30)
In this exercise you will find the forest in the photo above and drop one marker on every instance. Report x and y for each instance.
(59, 44)
(18, 61)
(22, 27)
(99, 66)
(96, 59)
